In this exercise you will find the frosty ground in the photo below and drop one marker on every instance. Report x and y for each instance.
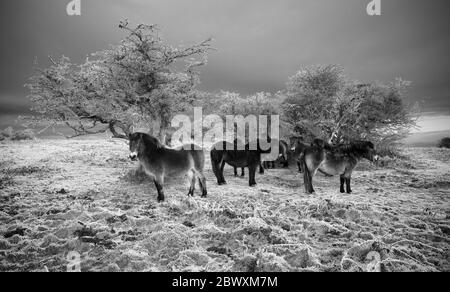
(62, 196)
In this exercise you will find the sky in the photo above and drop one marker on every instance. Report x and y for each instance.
(260, 43)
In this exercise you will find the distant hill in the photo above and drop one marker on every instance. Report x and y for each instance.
(426, 139)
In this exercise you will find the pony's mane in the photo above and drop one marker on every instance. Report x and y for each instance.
(355, 147)
(152, 140)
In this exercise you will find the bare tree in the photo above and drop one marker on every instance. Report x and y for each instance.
(140, 82)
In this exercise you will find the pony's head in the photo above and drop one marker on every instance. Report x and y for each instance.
(368, 151)
(362, 149)
(321, 144)
(140, 142)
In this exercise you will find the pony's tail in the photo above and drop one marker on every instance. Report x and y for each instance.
(307, 177)
(216, 159)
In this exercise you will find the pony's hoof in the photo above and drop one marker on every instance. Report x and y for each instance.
(253, 185)
(204, 196)
(342, 191)
(222, 183)
(160, 200)
(349, 192)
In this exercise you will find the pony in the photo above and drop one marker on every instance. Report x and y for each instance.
(158, 161)
(335, 160)
(236, 142)
(298, 150)
(283, 156)
(261, 167)
(236, 158)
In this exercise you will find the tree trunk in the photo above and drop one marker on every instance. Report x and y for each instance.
(163, 131)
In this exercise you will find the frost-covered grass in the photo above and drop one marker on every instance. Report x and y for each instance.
(59, 196)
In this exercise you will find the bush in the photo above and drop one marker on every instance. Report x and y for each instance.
(391, 151)
(7, 133)
(13, 135)
(27, 134)
(390, 156)
(346, 109)
(444, 143)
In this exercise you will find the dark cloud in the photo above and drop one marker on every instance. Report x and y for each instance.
(260, 42)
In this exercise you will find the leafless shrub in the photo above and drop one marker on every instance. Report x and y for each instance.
(444, 143)
(17, 135)
(135, 83)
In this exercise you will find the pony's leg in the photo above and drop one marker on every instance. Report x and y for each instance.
(307, 179)
(216, 159)
(242, 172)
(202, 183)
(159, 184)
(311, 189)
(191, 177)
(261, 168)
(216, 170)
(299, 165)
(343, 180)
(347, 182)
(222, 178)
(299, 162)
(286, 162)
(313, 174)
(235, 171)
(308, 176)
(251, 174)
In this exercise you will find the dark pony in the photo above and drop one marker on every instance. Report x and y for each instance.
(261, 167)
(236, 158)
(335, 160)
(158, 161)
(283, 157)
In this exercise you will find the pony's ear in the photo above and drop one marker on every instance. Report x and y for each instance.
(140, 138)
(159, 145)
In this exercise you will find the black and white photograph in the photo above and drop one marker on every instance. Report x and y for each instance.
(257, 137)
